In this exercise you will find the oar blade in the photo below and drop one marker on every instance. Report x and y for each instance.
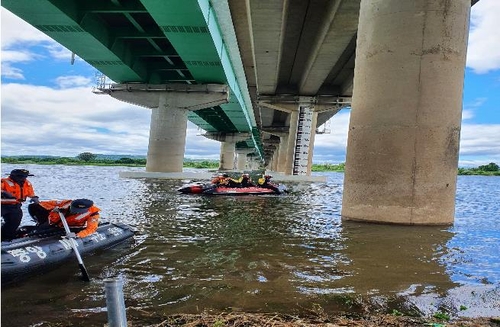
(85, 274)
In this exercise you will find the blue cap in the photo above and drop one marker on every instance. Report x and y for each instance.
(80, 205)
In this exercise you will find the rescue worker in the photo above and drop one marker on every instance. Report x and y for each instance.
(265, 181)
(225, 180)
(15, 189)
(80, 214)
(245, 181)
(220, 179)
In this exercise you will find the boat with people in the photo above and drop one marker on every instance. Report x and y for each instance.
(211, 189)
(224, 185)
(40, 251)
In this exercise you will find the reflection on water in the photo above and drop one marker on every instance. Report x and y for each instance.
(264, 253)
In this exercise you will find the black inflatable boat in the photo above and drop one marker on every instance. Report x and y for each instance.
(39, 252)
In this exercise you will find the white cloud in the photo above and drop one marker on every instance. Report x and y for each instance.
(331, 146)
(18, 56)
(15, 31)
(12, 72)
(480, 139)
(467, 114)
(10, 57)
(69, 121)
(483, 53)
(479, 144)
(71, 81)
(59, 52)
(469, 108)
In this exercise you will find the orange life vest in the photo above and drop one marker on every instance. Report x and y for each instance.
(20, 192)
(88, 219)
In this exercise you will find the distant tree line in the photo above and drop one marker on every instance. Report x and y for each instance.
(490, 169)
(328, 167)
(88, 158)
(85, 158)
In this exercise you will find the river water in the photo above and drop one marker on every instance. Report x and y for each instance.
(290, 253)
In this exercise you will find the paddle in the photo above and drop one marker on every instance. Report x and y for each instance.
(85, 275)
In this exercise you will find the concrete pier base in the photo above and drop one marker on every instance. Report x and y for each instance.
(167, 138)
(404, 130)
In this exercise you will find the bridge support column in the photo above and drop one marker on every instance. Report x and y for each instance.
(167, 136)
(282, 153)
(297, 143)
(300, 147)
(274, 161)
(241, 158)
(228, 145)
(254, 163)
(403, 143)
(227, 150)
(170, 104)
(292, 132)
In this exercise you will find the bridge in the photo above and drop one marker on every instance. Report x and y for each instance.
(260, 76)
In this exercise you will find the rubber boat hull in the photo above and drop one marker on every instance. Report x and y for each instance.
(27, 256)
(211, 189)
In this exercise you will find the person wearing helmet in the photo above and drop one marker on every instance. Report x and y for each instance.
(221, 179)
(80, 214)
(265, 181)
(231, 182)
(15, 189)
(245, 181)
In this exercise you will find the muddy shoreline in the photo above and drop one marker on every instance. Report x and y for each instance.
(236, 319)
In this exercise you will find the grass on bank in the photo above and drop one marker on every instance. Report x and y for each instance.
(87, 158)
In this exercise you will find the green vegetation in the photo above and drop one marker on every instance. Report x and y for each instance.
(88, 158)
(397, 313)
(490, 169)
(211, 164)
(328, 167)
(441, 315)
(85, 158)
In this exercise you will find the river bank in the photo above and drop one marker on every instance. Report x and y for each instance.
(280, 320)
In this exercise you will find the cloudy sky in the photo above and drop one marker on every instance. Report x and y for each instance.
(48, 107)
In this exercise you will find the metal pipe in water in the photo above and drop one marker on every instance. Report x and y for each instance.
(115, 302)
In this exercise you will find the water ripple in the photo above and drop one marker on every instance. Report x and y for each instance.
(268, 253)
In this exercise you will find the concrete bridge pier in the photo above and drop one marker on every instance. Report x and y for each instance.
(283, 153)
(228, 147)
(274, 161)
(294, 156)
(282, 150)
(227, 152)
(167, 136)
(290, 145)
(241, 158)
(170, 104)
(296, 150)
(403, 141)
(255, 163)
